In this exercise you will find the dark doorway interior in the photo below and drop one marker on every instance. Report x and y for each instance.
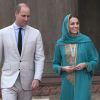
(89, 14)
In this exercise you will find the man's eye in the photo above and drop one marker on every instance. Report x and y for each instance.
(23, 15)
(28, 16)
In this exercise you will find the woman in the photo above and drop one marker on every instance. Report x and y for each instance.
(75, 60)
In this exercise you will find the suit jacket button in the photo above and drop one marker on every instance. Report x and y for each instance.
(20, 61)
(18, 69)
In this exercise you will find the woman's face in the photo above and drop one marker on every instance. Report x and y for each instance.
(73, 25)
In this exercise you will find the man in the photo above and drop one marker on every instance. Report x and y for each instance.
(21, 57)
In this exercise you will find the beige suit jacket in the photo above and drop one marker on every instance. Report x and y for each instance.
(31, 62)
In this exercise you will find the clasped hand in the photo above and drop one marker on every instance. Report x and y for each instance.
(70, 69)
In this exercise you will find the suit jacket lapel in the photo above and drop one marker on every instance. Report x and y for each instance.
(13, 37)
(25, 40)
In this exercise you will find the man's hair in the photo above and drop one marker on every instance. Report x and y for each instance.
(18, 7)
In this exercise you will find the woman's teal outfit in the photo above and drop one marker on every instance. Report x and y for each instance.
(77, 85)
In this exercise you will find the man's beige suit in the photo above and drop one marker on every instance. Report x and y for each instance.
(29, 64)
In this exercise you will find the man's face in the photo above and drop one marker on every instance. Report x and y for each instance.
(22, 17)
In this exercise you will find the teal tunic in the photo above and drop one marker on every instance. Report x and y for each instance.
(78, 85)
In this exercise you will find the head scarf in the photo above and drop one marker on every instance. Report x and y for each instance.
(66, 36)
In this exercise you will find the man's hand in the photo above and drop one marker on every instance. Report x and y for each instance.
(35, 84)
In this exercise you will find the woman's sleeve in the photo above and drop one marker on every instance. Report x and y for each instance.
(93, 57)
(57, 60)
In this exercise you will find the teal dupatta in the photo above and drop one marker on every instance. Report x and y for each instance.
(67, 38)
(86, 52)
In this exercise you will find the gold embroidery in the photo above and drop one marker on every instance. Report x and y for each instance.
(71, 78)
(71, 53)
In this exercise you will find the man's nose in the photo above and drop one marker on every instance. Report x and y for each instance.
(26, 18)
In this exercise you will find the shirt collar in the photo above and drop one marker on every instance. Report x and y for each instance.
(17, 27)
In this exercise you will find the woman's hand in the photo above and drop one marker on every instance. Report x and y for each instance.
(68, 69)
(80, 66)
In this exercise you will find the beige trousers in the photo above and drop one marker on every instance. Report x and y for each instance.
(16, 92)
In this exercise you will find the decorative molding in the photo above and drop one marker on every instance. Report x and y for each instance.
(47, 90)
(51, 86)
(54, 90)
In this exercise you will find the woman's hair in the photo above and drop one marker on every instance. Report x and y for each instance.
(73, 16)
